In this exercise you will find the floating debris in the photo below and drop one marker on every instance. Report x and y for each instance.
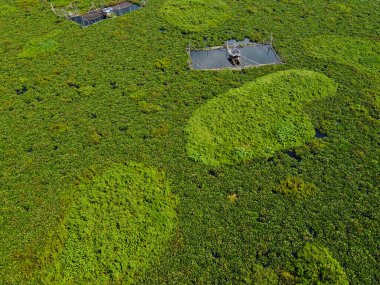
(233, 55)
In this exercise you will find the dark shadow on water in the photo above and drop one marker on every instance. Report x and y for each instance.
(294, 155)
(319, 135)
(213, 172)
(21, 90)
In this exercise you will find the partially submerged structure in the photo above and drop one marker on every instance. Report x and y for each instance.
(96, 14)
(233, 55)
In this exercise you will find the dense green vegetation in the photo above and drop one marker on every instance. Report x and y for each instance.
(86, 100)
(114, 229)
(258, 119)
(41, 47)
(355, 52)
(315, 265)
(195, 15)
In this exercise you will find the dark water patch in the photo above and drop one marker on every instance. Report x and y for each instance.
(271, 159)
(263, 218)
(96, 16)
(251, 54)
(367, 214)
(294, 155)
(26, 208)
(123, 128)
(319, 135)
(71, 84)
(216, 254)
(213, 172)
(312, 231)
(22, 90)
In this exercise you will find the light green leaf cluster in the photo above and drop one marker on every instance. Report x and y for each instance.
(316, 265)
(41, 46)
(258, 119)
(116, 228)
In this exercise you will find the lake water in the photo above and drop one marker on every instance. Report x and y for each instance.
(319, 135)
(251, 55)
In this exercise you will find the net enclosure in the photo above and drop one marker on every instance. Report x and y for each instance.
(101, 14)
(233, 55)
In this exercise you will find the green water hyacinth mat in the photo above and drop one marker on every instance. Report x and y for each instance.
(115, 229)
(258, 119)
(195, 15)
(359, 53)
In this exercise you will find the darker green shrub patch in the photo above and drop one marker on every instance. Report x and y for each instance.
(258, 119)
(116, 227)
(356, 52)
(316, 265)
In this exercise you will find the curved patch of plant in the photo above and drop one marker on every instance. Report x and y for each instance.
(116, 228)
(258, 119)
(316, 265)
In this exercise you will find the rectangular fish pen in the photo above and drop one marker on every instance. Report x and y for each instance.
(96, 15)
(233, 55)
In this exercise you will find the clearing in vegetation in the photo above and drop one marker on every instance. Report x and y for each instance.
(115, 229)
(258, 119)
